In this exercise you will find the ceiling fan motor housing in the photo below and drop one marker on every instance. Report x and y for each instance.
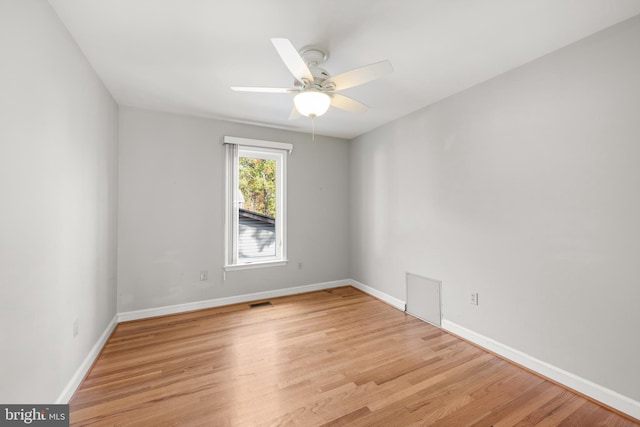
(319, 75)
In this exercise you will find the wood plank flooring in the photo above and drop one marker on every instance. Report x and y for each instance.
(327, 358)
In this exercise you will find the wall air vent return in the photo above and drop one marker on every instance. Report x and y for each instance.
(423, 298)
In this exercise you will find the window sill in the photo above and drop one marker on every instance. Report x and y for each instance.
(249, 266)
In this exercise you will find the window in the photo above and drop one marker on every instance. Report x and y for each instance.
(255, 210)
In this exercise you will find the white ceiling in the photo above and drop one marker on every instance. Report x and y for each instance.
(183, 55)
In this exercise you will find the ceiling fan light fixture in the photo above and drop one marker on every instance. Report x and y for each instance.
(312, 103)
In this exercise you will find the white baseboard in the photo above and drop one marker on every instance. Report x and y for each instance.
(217, 302)
(392, 301)
(86, 364)
(597, 392)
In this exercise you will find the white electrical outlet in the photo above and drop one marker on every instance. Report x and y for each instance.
(204, 275)
(474, 298)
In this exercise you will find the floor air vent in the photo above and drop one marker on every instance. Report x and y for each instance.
(260, 304)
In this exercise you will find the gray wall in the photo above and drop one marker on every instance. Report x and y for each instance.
(171, 211)
(525, 189)
(58, 195)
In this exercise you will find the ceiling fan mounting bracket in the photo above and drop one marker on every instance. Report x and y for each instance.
(313, 55)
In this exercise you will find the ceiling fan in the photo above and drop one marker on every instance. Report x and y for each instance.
(316, 88)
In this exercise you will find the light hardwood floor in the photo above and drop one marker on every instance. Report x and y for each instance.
(336, 357)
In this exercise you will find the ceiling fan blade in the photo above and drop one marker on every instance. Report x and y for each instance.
(292, 60)
(295, 114)
(359, 75)
(348, 104)
(263, 89)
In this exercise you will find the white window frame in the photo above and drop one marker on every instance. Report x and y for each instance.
(243, 147)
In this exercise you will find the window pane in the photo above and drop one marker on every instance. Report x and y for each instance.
(257, 208)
